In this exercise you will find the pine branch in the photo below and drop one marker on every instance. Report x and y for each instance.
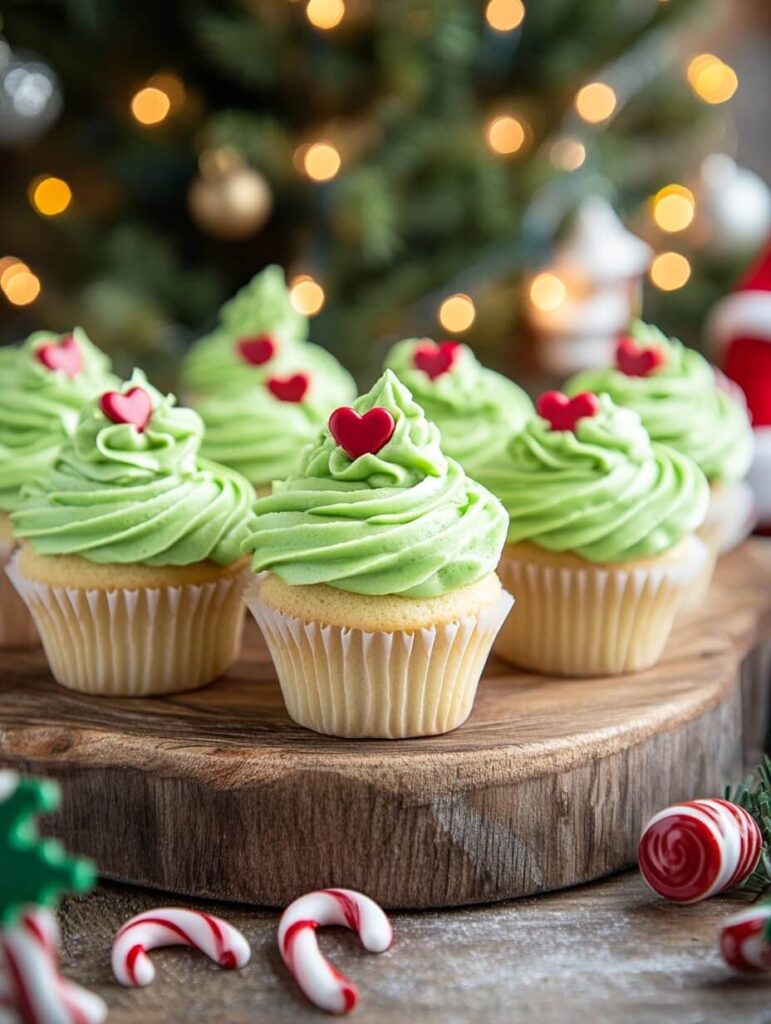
(754, 795)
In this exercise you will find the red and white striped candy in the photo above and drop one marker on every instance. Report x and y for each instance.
(174, 926)
(318, 979)
(32, 990)
(697, 849)
(742, 943)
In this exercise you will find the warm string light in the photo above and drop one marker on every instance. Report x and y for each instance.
(504, 15)
(306, 295)
(673, 208)
(161, 95)
(457, 313)
(321, 161)
(506, 135)
(50, 196)
(595, 102)
(19, 285)
(547, 291)
(712, 79)
(325, 14)
(568, 154)
(670, 271)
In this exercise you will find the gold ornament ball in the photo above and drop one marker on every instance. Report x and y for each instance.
(229, 199)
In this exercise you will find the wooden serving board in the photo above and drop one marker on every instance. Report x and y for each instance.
(217, 793)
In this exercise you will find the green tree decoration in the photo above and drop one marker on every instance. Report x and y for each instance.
(33, 870)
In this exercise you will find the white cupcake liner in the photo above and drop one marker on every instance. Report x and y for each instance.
(138, 642)
(594, 620)
(17, 627)
(731, 517)
(356, 684)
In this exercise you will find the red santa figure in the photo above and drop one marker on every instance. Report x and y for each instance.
(739, 338)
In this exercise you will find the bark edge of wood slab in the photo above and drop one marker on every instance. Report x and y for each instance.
(216, 793)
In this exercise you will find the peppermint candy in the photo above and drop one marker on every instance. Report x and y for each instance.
(694, 850)
(320, 982)
(174, 926)
(743, 944)
(32, 991)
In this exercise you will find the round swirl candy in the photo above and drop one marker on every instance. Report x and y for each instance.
(678, 396)
(259, 335)
(745, 940)
(695, 850)
(130, 487)
(477, 410)
(601, 489)
(381, 512)
(46, 382)
(261, 431)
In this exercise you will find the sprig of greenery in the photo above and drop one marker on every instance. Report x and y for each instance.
(754, 795)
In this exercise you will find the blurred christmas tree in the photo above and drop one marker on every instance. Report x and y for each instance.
(390, 153)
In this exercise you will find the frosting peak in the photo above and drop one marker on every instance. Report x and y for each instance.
(603, 490)
(476, 410)
(400, 520)
(47, 380)
(122, 494)
(676, 394)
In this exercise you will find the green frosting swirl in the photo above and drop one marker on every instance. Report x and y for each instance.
(262, 437)
(477, 410)
(604, 492)
(213, 364)
(40, 407)
(406, 520)
(681, 405)
(118, 495)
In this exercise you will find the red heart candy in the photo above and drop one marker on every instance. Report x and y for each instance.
(433, 359)
(635, 361)
(289, 389)
(256, 351)
(64, 355)
(361, 435)
(135, 407)
(562, 412)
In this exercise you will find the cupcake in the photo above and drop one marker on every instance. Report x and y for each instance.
(47, 380)
(260, 432)
(380, 600)
(600, 548)
(130, 550)
(259, 335)
(477, 410)
(686, 404)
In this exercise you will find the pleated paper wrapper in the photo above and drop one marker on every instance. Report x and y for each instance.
(17, 627)
(136, 643)
(731, 518)
(593, 620)
(357, 684)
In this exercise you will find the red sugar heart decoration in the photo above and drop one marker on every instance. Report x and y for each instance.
(361, 435)
(64, 355)
(435, 359)
(289, 389)
(257, 351)
(563, 413)
(135, 407)
(636, 361)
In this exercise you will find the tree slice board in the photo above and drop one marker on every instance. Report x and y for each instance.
(217, 793)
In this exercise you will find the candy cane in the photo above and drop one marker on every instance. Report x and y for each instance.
(694, 850)
(31, 988)
(317, 978)
(173, 926)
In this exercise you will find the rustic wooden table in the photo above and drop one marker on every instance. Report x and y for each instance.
(601, 954)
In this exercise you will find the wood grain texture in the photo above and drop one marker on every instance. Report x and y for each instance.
(606, 953)
(217, 793)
